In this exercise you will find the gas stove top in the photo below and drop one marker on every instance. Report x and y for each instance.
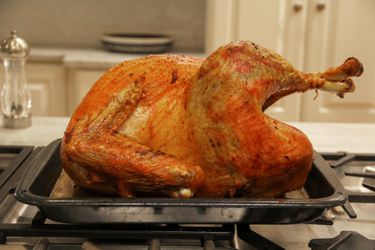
(26, 227)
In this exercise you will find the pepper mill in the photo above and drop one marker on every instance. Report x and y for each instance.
(15, 95)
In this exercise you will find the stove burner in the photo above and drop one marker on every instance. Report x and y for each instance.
(346, 240)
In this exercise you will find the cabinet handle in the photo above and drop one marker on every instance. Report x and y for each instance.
(320, 6)
(297, 7)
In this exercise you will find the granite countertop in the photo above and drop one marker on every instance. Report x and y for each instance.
(43, 131)
(325, 137)
(88, 58)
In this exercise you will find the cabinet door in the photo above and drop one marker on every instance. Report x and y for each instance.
(48, 91)
(80, 82)
(338, 30)
(46, 83)
(275, 24)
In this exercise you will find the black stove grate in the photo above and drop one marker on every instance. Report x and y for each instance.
(343, 159)
(346, 240)
(11, 159)
(152, 235)
(209, 237)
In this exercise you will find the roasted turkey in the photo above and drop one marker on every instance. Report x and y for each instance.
(180, 126)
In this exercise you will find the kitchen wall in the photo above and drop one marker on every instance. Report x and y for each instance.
(72, 23)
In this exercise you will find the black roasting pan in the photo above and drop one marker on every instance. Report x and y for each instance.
(322, 191)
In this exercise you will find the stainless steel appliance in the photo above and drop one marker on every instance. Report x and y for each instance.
(27, 226)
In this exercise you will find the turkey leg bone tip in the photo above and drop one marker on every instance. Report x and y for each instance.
(181, 126)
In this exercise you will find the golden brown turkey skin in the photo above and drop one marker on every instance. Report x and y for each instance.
(180, 126)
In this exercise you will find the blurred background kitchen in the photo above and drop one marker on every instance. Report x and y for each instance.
(68, 55)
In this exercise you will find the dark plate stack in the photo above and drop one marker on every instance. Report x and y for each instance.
(137, 43)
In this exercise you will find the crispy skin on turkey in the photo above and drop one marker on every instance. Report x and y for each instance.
(181, 126)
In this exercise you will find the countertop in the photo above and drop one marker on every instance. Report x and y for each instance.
(325, 137)
(88, 58)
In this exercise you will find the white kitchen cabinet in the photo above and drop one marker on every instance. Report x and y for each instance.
(56, 90)
(269, 23)
(46, 82)
(79, 83)
(48, 90)
(313, 35)
(58, 79)
(344, 28)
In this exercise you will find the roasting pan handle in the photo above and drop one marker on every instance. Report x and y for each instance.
(37, 165)
(327, 171)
